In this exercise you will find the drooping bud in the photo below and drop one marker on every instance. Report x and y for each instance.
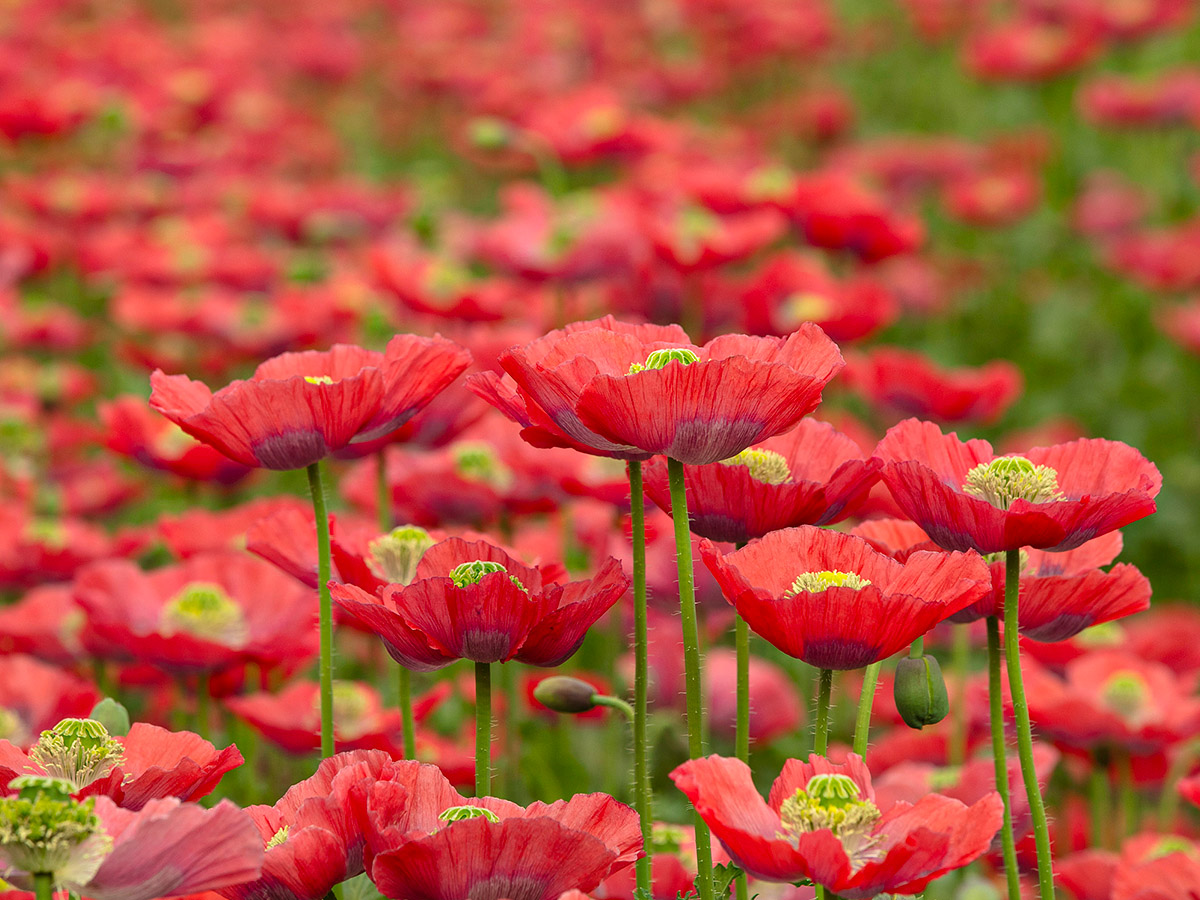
(44, 830)
(458, 813)
(1009, 478)
(815, 582)
(660, 359)
(78, 751)
(765, 466)
(112, 715)
(468, 573)
(920, 692)
(203, 610)
(393, 557)
(833, 802)
(564, 694)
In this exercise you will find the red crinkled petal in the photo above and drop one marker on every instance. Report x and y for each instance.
(1055, 608)
(405, 644)
(415, 370)
(554, 639)
(160, 763)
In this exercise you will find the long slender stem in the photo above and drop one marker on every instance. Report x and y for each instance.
(1128, 794)
(1012, 659)
(643, 799)
(821, 737)
(383, 502)
(325, 607)
(203, 704)
(691, 660)
(742, 738)
(961, 662)
(43, 885)
(862, 722)
(1168, 804)
(383, 492)
(1098, 793)
(483, 729)
(1000, 755)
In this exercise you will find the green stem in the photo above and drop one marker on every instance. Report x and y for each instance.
(483, 729)
(999, 754)
(203, 698)
(691, 660)
(1012, 659)
(407, 726)
(383, 493)
(325, 608)
(1129, 798)
(824, 689)
(43, 885)
(917, 650)
(1098, 794)
(1168, 803)
(614, 703)
(962, 659)
(862, 722)
(641, 672)
(742, 638)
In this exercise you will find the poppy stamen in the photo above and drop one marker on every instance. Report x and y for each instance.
(1009, 478)
(393, 557)
(660, 359)
(204, 610)
(765, 466)
(833, 802)
(815, 582)
(77, 751)
(468, 573)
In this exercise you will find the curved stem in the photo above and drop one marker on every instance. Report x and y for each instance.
(383, 493)
(862, 722)
(325, 607)
(999, 754)
(821, 738)
(641, 672)
(43, 885)
(691, 660)
(483, 729)
(1012, 660)
(614, 703)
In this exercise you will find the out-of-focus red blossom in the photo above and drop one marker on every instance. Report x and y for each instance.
(910, 844)
(45, 623)
(1111, 698)
(300, 407)
(672, 867)
(1032, 49)
(842, 627)
(1104, 486)
(431, 622)
(1108, 205)
(1170, 635)
(940, 20)
(1156, 867)
(775, 708)
(827, 479)
(993, 197)
(1117, 101)
(34, 696)
(250, 612)
(535, 852)
(36, 550)
(1181, 323)
(155, 763)
(134, 430)
(577, 390)
(690, 238)
(907, 383)
(908, 166)
(1087, 874)
(834, 211)
(208, 531)
(1160, 259)
(793, 288)
(1189, 789)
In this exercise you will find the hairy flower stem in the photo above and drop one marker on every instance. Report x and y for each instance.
(43, 885)
(325, 609)
(824, 689)
(483, 729)
(691, 660)
(641, 675)
(1012, 660)
(999, 754)
(862, 722)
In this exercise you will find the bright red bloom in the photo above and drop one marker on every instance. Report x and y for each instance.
(908, 383)
(533, 853)
(45, 623)
(582, 387)
(1031, 49)
(1102, 486)
(899, 849)
(202, 530)
(841, 626)
(835, 211)
(993, 197)
(34, 696)
(300, 407)
(823, 479)
(432, 622)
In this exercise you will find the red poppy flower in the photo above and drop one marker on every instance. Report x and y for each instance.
(1031, 49)
(300, 407)
(35, 550)
(833, 210)
(829, 599)
(207, 531)
(907, 383)
(34, 696)
(870, 850)
(471, 600)
(1054, 498)
(425, 841)
(45, 623)
(993, 196)
(813, 475)
(588, 385)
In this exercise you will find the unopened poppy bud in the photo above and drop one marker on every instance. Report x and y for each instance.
(112, 715)
(920, 692)
(564, 694)
(490, 133)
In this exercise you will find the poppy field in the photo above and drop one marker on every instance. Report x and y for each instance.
(578, 450)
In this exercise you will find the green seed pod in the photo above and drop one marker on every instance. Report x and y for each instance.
(920, 692)
(112, 715)
(565, 695)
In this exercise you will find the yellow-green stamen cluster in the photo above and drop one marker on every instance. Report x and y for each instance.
(815, 582)
(278, 837)
(393, 557)
(765, 466)
(1126, 693)
(12, 727)
(1106, 634)
(477, 461)
(832, 802)
(77, 751)
(458, 813)
(660, 359)
(806, 306)
(318, 379)
(351, 705)
(205, 611)
(44, 830)
(468, 573)
(1009, 478)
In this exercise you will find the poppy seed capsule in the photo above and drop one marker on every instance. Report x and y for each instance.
(112, 715)
(920, 692)
(564, 694)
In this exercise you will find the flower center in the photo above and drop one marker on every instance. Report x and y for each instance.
(660, 359)
(458, 813)
(766, 466)
(833, 802)
(806, 306)
(477, 461)
(1125, 693)
(173, 442)
(319, 379)
(12, 727)
(77, 752)
(47, 532)
(278, 837)
(1009, 478)
(393, 557)
(203, 610)
(1001, 556)
(44, 830)
(468, 573)
(1171, 843)
(815, 582)
(1106, 634)
(351, 709)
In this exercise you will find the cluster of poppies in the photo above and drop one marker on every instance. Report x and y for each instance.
(337, 377)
